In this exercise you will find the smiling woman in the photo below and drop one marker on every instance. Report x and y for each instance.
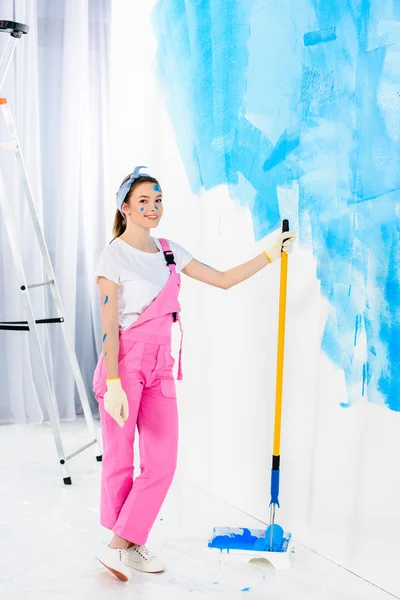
(134, 383)
(137, 192)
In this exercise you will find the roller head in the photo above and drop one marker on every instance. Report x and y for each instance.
(277, 538)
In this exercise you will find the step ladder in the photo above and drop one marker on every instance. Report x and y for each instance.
(15, 31)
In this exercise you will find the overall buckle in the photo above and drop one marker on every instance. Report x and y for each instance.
(169, 257)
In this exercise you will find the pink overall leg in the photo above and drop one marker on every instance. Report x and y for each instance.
(158, 444)
(117, 466)
(127, 507)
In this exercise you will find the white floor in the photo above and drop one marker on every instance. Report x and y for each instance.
(49, 533)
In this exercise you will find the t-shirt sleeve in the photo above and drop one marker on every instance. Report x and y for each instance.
(107, 267)
(182, 256)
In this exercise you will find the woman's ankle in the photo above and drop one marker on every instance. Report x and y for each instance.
(118, 542)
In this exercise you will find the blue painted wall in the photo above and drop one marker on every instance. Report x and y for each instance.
(262, 94)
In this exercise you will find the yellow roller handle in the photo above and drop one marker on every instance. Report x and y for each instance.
(281, 348)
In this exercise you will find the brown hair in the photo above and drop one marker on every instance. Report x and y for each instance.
(120, 221)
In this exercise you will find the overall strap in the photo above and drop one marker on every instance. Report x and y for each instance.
(169, 257)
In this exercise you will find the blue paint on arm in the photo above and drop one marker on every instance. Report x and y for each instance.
(312, 38)
(106, 300)
(104, 337)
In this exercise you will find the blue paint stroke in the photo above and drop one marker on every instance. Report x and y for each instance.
(142, 209)
(260, 101)
(286, 145)
(245, 589)
(312, 38)
(104, 337)
(157, 188)
(106, 300)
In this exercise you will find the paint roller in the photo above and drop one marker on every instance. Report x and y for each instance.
(273, 542)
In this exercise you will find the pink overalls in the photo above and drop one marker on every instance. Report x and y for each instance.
(129, 508)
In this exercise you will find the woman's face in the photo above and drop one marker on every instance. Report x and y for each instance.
(145, 206)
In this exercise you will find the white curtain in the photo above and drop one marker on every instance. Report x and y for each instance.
(57, 87)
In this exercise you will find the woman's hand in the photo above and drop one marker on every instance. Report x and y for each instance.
(116, 401)
(283, 244)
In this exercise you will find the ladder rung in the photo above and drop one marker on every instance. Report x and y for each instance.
(35, 285)
(9, 145)
(23, 325)
(80, 450)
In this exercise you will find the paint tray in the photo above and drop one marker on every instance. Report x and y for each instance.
(252, 544)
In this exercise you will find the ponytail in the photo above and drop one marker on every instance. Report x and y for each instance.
(119, 225)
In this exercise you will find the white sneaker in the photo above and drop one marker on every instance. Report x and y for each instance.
(140, 559)
(115, 560)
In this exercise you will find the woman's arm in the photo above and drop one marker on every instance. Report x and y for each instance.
(227, 279)
(110, 328)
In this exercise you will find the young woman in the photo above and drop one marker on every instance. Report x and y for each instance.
(139, 281)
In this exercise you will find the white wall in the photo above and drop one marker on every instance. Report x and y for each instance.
(340, 479)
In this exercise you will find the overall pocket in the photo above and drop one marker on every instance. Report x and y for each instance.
(168, 389)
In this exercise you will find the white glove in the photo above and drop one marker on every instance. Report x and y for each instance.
(280, 246)
(116, 401)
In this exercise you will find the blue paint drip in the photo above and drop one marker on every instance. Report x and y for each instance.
(356, 328)
(106, 300)
(315, 119)
(312, 38)
(104, 337)
(245, 589)
(157, 188)
(156, 207)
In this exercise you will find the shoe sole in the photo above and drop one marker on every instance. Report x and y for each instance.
(120, 576)
(144, 571)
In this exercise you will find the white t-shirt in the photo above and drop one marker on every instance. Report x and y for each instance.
(140, 275)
